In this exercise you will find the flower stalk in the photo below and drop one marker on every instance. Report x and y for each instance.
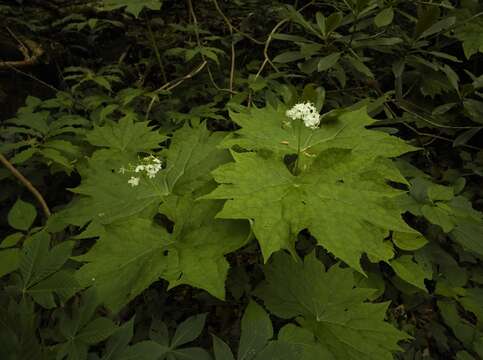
(306, 114)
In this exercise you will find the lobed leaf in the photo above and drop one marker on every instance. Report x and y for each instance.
(327, 304)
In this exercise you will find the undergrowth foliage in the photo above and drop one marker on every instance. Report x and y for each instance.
(243, 179)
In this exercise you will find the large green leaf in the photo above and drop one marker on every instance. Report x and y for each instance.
(202, 241)
(192, 155)
(271, 129)
(106, 196)
(105, 193)
(128, 257)
(127, 242)
(344, 202)
(126, 136)
(328, 304)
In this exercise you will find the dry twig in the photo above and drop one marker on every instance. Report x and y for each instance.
(27, 184)
(29, 49)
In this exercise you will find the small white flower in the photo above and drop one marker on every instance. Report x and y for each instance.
(152, 170)
(152, 158)
(149, 166)
(133, 181)
(305, 112)
(139, 168)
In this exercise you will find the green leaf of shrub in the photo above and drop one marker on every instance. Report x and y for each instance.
(61, 283)
(118, 342)
(360, 66)
(96, 331)
(255, 343)
(289, 56)
(81, 329)
(438, 26)
(411, 271)
(11, 240)
(469, 34)
(22, 215)
(438, 192)
(328, 61)
(188, 330)
(333, 22)
(256, 330)
(408, 241)
(221, 349)
(384, 17)
(9, 261)
(145, 350)
(133, 7)
(454, 214)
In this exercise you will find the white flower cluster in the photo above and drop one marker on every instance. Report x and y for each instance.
(150, 165)
(305, 112)
(133, 181)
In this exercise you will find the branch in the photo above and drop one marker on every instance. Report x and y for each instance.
(27, 184)
(231, 26)
(172, 84)
(31, 52)
(232, 62)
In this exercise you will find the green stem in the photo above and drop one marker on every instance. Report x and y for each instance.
(161, 192)
(296, 166)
